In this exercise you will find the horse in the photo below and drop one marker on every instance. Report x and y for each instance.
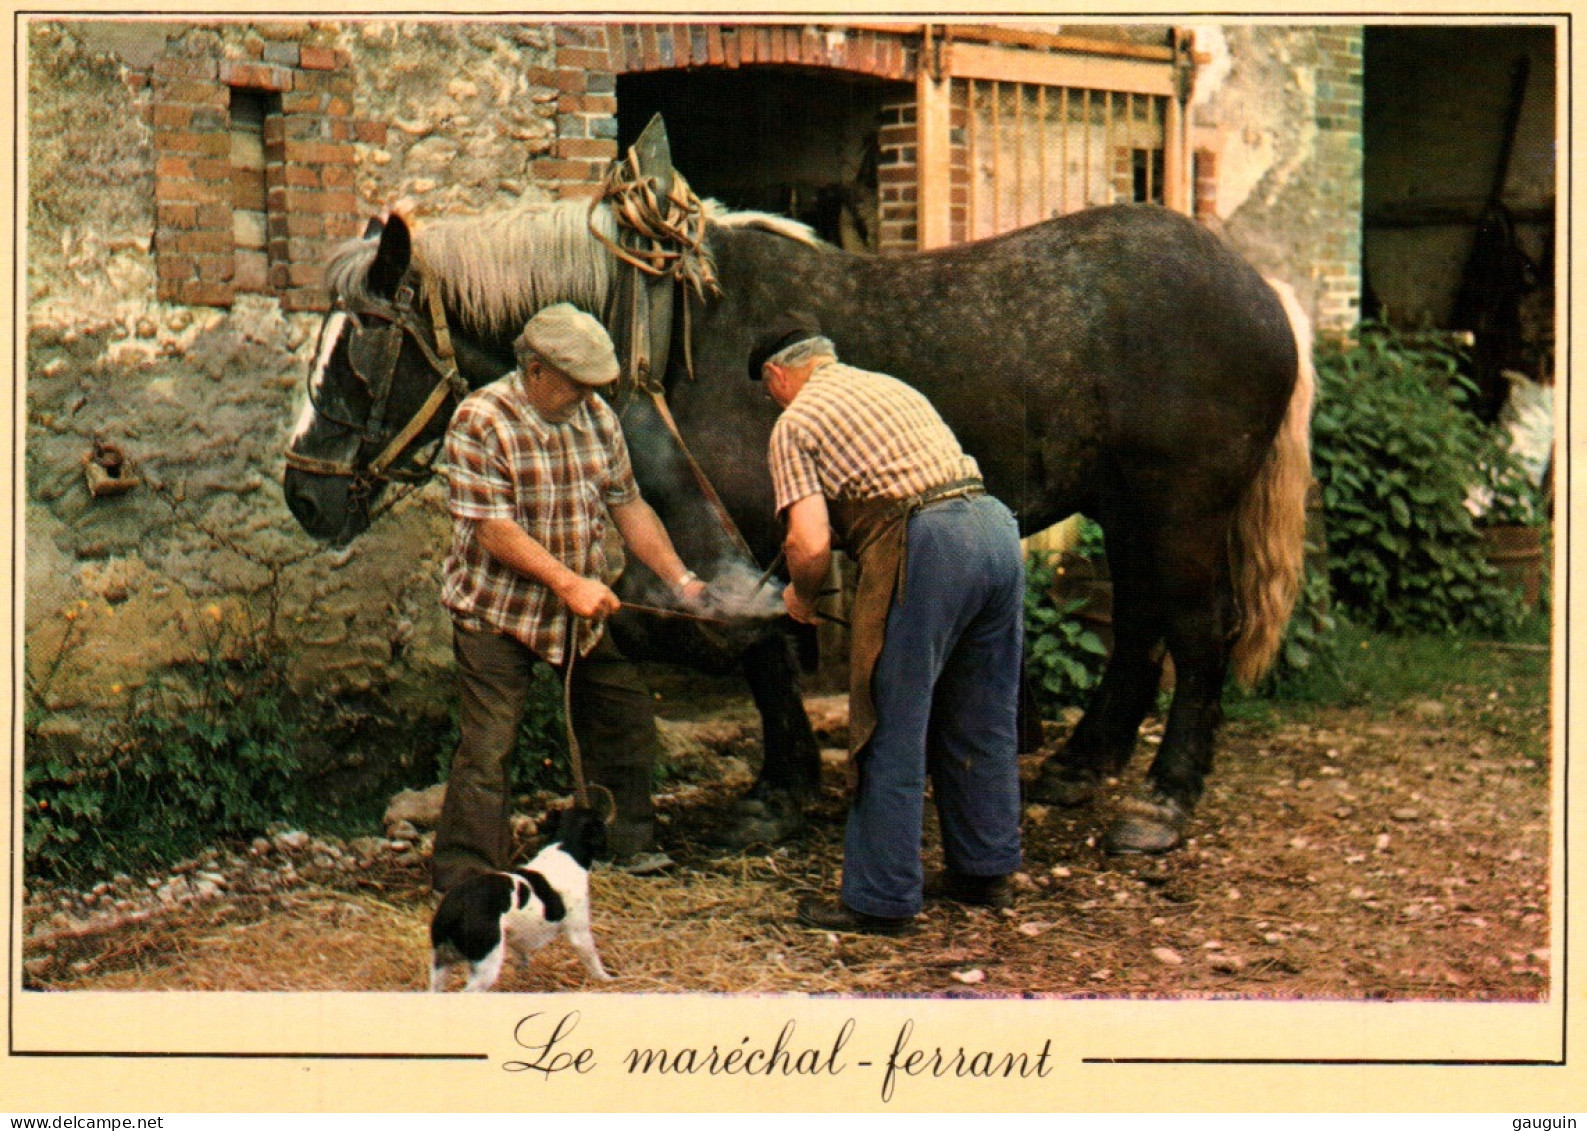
(1122, 362)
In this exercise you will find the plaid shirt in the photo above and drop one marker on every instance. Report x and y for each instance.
(853, 434)
(557, 481)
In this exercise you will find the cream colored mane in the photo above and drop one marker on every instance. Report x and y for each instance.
(497, 269)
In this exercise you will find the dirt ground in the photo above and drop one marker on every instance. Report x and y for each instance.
(1393, 852)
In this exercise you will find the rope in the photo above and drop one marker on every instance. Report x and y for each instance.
(581, 792)
(676, 232)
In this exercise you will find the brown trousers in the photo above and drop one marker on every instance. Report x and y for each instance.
(613, 718)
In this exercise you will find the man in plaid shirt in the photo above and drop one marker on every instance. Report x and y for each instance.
(937, 626)
(536, 467)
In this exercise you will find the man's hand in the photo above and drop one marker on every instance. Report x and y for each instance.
(801, 610)
(694, 595)
(589, 598)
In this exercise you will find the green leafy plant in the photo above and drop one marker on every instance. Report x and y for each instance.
(1396, 454)
(206, 751)
(1063, 656)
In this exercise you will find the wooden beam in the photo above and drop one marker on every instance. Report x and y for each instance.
(1017, 37)
(1002, 64)
(933, 161)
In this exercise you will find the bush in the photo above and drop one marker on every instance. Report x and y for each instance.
(1063, 658)
(208, 750)
(1396, 454)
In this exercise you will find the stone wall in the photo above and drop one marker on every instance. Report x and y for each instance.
(1276, 130)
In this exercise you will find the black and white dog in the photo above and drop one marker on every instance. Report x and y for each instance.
(525, 908)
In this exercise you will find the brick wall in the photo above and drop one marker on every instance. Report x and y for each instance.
(897, 180)
(1339, 156)
(308, 158)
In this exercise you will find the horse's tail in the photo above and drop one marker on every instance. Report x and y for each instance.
(1268, 538)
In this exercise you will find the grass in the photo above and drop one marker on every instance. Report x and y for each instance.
(1386, 673)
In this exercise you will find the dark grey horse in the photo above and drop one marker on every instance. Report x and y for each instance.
(1121, 362)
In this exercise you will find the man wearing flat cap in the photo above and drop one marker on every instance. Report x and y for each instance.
(536, 466)
(936, 628)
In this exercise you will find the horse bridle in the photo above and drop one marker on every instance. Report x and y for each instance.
(373, 353)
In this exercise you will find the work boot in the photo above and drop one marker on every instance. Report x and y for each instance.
(833, 915)
(977, 891)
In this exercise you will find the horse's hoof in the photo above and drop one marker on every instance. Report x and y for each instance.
(1069, 786)
(1149, 825)
(765, 820)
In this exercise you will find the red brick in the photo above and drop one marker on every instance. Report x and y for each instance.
(199, 95)
(612, 41)
(200, 243)
(370, 133)
(215, 214)
(587, 104)
(595, 149)
(176, 215)
(862, 52)
(170, 117)
(336, 176)
(185, 67)
(306, 299)
(338, 228)
(317, 201)
(188, 141)
(318, 58)
(205, 294)
(578, 192)
(304, 102)
(340, 129)
(174, 190)
(169, 265)
(323, 82)
(299, 176)
(169, 168)
(319, 152)
(305, 274)
(588, 58)
(255, 76)
(304, 225)
(682, 47)
(217, 268)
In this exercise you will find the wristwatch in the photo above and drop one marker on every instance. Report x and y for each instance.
(688, 578)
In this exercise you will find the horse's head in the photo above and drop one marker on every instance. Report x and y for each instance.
(380, 391)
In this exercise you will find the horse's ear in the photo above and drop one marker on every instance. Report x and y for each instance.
(392, 257)
(375, 226)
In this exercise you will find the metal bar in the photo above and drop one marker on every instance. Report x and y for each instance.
(1107, 147)
(1063, 169)
(997, 156)
(1041, 149)
(1085, 201)
(971, 140)
(1019, 154)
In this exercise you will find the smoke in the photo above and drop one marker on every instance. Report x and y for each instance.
(736, 592)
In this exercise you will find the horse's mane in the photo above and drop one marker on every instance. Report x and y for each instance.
(497, 269)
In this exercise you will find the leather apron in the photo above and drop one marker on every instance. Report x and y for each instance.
(875, 533)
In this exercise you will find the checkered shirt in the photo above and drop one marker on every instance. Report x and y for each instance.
(853, 434)
(557, 481)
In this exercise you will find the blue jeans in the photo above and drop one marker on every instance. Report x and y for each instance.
(946, 689)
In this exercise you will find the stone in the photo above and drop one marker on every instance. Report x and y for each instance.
(416, 809)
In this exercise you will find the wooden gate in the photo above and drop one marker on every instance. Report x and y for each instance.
(1017, 127)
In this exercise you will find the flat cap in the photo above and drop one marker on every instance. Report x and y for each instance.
(788, 330)
(572, 342)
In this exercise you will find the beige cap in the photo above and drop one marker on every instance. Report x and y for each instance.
(571, 342)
